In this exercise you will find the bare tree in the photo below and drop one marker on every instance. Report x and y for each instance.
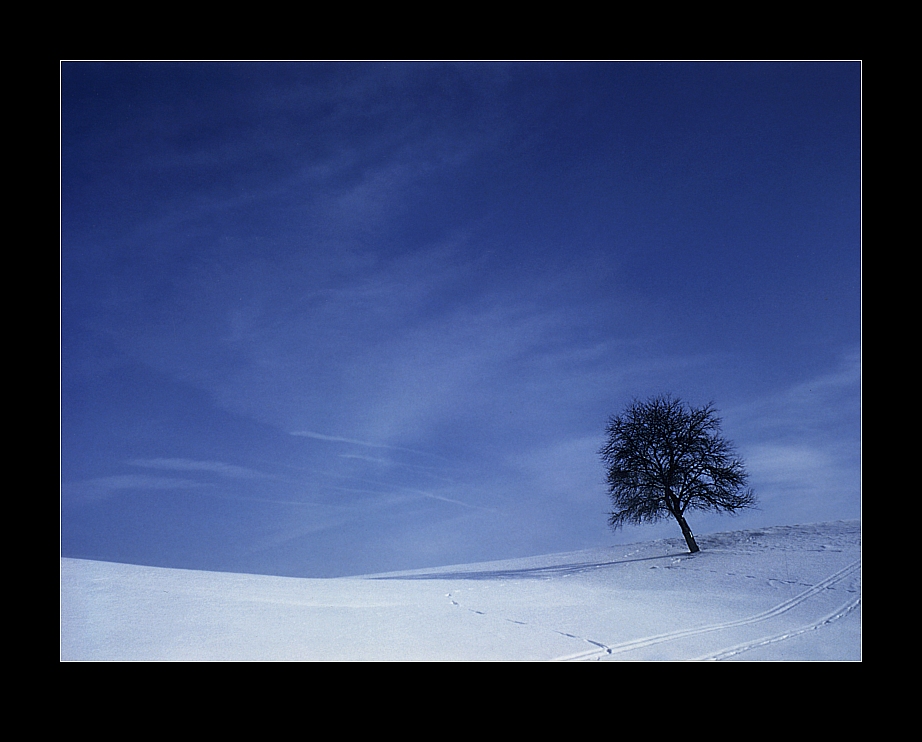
(664, 458)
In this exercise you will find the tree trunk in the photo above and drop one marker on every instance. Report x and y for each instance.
(686, 531)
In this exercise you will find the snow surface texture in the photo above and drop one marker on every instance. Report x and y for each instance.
(782, 593)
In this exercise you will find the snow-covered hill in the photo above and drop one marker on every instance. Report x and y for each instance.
(782, 593)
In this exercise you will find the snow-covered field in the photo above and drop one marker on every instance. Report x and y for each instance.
(781, 593)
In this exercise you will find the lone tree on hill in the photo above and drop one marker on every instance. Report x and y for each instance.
(664, 457)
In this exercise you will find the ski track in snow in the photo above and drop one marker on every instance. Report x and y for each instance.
(778, 610)
(841, 612)
(601, 650)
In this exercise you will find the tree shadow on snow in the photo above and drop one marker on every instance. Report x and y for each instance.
(526, 572)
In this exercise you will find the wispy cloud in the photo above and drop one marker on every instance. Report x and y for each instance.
(103, 488)
(803, 444)
(451, 500)
(826, 405)
(191, 465)
(432, 472)
(355, 442)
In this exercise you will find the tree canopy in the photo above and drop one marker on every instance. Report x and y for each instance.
(664, 457)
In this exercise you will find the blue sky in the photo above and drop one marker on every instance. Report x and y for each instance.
(322, 319)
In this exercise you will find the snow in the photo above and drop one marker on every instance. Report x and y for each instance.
(780, 593)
